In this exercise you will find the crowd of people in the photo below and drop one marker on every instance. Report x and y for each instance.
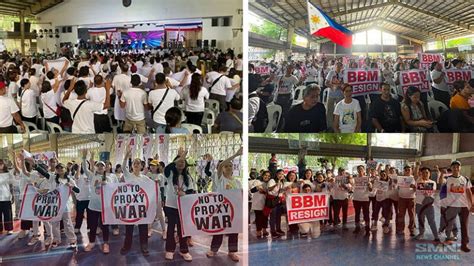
(100, 91)
(383, 194)
(328, 104)
(87, 176)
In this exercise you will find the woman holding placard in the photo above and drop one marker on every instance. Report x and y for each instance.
(156, 174)
(258, 204)
(226, 181)
(179, 183)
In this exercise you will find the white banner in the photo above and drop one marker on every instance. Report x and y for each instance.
(363, 81)
(129, 203)
(57, 64)
(120, 149)
(48, 207)
(457, 74)
(163, 146)
(211, 213)
(415, 77)
(303, 208)
(147, 147)
(427, 59)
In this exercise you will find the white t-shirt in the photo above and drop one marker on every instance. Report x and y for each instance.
(87, 80)
(83, 122)
(196, 105)
(456, 188)
(28, 103)
(223, 184)
(238, 64)
(174, 83)
(193, 59)
(49, 98)
(229, 63)
(155, 97)
(286, 84)
(221, 87)
(121, 82)
(435, 74)
(6, 179)
(312, 74)
(171, 197)
(12, 89)
(404, 190)
(34, 81)
(258, 199)
(425, 189)
(97, 95)
(7, 108)
(135, 99)
(83, 183)
(361, 191)
(347, 115)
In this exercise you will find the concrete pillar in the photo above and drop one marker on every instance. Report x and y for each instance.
(22, 32)
(444, 48)
(53, 143)
(369, 146)
(456, 141)
(289, 41)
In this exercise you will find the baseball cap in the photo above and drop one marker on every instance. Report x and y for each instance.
(60, 165)
(100, 162)
(456, 162)
(155, 162)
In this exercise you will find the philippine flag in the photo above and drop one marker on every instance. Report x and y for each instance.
(322, 25)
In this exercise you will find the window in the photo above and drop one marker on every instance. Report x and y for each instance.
(389, 39)
(374, 37)
(359, 38)
(226, 22)
(215, 22)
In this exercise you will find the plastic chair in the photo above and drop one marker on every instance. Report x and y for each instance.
(208, 120)
(30, 126)
(436, 109)
(325, 95)
(193, 129)
(298, 95)
(431, 96)
(54, 128)
(213, 104)
(274, 115)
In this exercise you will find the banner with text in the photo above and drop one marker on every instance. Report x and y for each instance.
(47, 207)
(457, 74)
(211, 213)
(303, 208)
(417, 78)
(426, 60)
(129, 203)
(363, 81)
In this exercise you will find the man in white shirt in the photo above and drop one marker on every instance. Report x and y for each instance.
(27, 101)
(83, 110)
(9, 111)
(135, 102)
(120, 83)
(406, 202)
(156, 97)
(97, 94)
(193, 58)
(219, 86)
(347, 114)
(459, 203)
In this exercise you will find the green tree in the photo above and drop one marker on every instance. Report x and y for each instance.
(268, 29)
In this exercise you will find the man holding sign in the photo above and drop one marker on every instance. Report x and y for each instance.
(406, 202)
(362, 187)
(425, 189)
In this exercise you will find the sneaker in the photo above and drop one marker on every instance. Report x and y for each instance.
(33, 241)
(48, 241)
(106, 248)
(210, 254)
(89, 247)
(115, 232)
(373, 227)
(164, 234)
(55, 244)
(420, 236)
(145, 251)
(455, 238)
(150, 232)
(265, 233)
(233, 257)
(169, 255)
(186, 256)
(465, 248)
(22, 234)
(275, 236)
(448, 241)
(124, 251)
(412, 234)
(386, 230)
(72, 246)
(10, 232)
(190, 242)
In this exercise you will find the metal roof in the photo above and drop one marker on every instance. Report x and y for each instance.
(28, 7)
(417, 20)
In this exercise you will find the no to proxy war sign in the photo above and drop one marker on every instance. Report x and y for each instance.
(211, 213)
(363, 81)
(415, 77)
(47, 207)
(303, 208)
(427, 59)
(129, 203)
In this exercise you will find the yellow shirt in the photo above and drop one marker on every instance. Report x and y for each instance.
(459, 102)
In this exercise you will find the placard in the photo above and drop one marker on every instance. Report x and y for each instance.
(363, 81)
(417, 78)
(426, 59)
(47, 207)
(310, 207)
(457, 74)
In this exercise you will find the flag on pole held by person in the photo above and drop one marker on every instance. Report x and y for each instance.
(321, 24)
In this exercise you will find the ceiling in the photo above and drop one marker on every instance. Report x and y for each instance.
(28, 7)
(416, 20)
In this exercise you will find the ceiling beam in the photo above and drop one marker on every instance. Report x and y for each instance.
(433, 35)
(40, 6)
(439, 17)
(360, 9)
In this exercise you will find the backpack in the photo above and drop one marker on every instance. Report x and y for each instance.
(260, 120)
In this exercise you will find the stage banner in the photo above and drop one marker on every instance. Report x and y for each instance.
(303, 208)
(211, 213)
(120, 145)
(163, 146)
(147, 147)
(457, 74)
(47, 207)
(262, 70)
(129, 203)
(57, 64)
(363, 81)
(426, 60)
(417, 78)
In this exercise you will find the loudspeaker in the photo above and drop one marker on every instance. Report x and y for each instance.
(198, 43)
(126, 3)
(16, 26)
(213, 43)
(206, 43)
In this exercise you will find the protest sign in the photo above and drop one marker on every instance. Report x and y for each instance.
(211, 213)
(363, 81)
(302, 208)
(425, 188)
(129, 203)
(47, 207)
(262, 70)
(405, 181)
(57, 64)
(426, 59)
(457, 74)
(415, 77)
